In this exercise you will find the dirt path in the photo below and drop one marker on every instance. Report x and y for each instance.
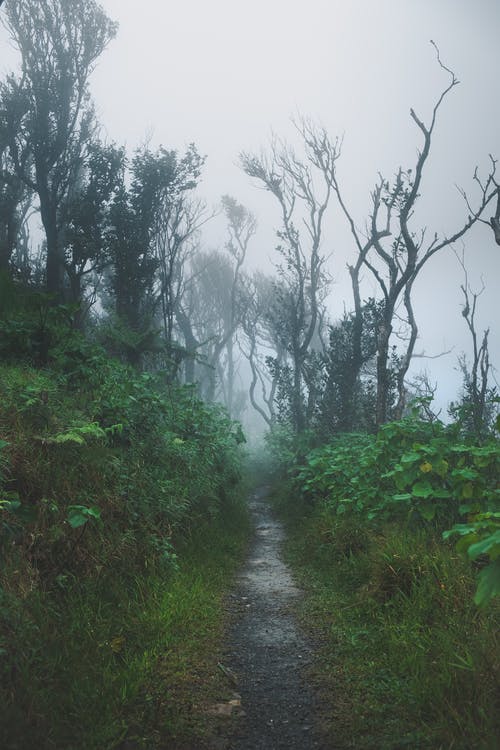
(267, 652)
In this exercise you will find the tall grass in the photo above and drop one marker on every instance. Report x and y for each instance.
(120, 526)
(407, 660)
(124, 655)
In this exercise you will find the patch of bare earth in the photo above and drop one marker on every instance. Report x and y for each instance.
(268, 656)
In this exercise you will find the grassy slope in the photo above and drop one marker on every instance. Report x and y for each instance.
(405, 658)
(132, 656)
(111, 631)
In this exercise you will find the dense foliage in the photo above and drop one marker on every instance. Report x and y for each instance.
(105, 474)
(414, 472)
(117, 479)
(405, 657)
(396, 536)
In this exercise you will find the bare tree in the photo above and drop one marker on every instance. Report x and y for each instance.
(180, 217)
(206, 298)
(394, 252)
(241, 227)
(211, 310)
(261, 343)
(175, 242)
(302, 207)
(476, 386)
(494, 221)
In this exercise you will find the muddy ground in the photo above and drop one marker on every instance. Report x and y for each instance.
(268, 655)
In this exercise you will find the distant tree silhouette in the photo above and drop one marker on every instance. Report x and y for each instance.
(302, 192)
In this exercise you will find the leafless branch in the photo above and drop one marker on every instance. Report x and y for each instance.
(423, 355)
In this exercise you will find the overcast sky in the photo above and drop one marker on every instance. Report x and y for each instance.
(224, 74)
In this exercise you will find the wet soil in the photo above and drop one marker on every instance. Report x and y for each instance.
(268, 655)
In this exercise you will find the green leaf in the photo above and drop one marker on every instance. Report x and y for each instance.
(485, 546)
(441, 468)
(459, 528)
(409, 458)
(78, 515)
(76, 520)
(469, 508)
(467, 491)
(469, 474)
(489, 584)
(422, 489)
(466, 541)
(442, 493)
(78, 433)
(10, 505)
(427, 511)
(401, 481)
(68, 437)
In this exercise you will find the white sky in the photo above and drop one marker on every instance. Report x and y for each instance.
(224, 73)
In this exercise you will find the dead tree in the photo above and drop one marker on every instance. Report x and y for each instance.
(302, 209)
(393, 252)
(476, 377)
(261, 343)
(494, 221)
(176, 239)
(241, 227)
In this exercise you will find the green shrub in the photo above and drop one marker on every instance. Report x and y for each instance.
(104, 475)
(415, 473)
(405, 657)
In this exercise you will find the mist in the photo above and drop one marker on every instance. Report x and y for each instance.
(357, 68)
(227, 77)
(249, 397)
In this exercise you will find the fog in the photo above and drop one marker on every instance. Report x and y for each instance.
(225, 75)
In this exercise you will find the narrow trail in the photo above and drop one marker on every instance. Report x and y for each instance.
(267, 652)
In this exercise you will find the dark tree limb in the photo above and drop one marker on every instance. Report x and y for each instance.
(395, 263)
(495, 220)
(293, 182)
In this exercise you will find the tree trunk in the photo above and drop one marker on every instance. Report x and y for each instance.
(297, 406)
(9, 229)
(54, 264)
(230, 376)
(190, 343)
(5, 250)
(346, 418)
(383, 375)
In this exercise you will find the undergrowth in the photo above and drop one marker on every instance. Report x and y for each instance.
(124, 656)
(409, 644)
(120, 526)
(406, 658)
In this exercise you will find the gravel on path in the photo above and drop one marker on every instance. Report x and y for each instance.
(267, 652)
